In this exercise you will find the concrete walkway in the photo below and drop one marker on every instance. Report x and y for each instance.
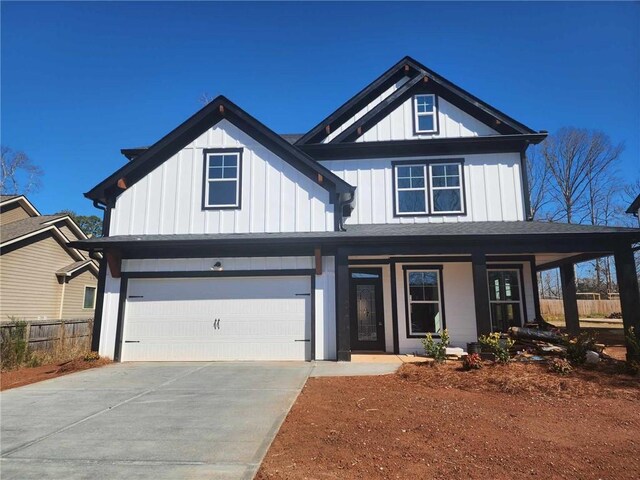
(148, 421)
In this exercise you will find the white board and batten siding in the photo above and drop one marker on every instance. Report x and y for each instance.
(493, 189)
(236, 299)
(452, 122)
(276, 197)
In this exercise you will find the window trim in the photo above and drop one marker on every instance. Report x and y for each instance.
(459, 187)
(428, 199)
(207, 153)
(406, 269)
(84, 296)
(517, 267)
(416, 115)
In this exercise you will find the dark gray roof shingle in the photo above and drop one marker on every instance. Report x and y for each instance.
(72, 267)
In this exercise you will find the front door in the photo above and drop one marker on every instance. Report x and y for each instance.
(367, 317)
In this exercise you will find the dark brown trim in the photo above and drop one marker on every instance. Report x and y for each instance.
(481, 293)
(343, 325)
(394, 307)
(379, 301)
(422, 267)
(205, 176)
(120, 321)
(421, 147)
(536, 290)
(525, 185)
(569, 298)
(312, 320)
(629, 295)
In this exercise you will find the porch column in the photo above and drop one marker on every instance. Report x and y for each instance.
(481, 293)
(569, 298)
(628, 289)
(343, 326)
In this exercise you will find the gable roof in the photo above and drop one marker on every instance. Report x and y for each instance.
(218, 109)
(635, 205)
(416, 72)
(22, 200)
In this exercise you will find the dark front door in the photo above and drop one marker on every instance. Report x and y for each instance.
(367, 319)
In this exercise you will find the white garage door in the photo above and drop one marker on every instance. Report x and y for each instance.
(201, 319)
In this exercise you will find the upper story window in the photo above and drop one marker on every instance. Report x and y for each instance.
(425, 113)
(429, 188)
(222, 173)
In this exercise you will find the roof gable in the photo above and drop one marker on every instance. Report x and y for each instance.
(419, 77)
(10, 200)
(218, 109)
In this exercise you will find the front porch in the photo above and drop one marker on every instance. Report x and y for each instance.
(388, 296)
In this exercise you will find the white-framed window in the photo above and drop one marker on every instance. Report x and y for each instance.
(89, 298)
(505, 298)
(424, 301)
(425, 111)
(446, 187)
(222, 179)
(411, 189)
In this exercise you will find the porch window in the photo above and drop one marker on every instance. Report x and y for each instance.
(424, 306)
(424, 109)
(222, 179)
(446, 187)
(505, 299)
(411, 189)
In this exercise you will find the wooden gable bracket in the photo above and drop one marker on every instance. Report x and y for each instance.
(406, 68)
(221, 109)
(425, 79)
(320, 178)
(327, 129)
(318, 254)
(122, 183)
(359, 130)
(114, 260)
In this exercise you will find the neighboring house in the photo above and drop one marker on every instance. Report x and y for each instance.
(402, 213)
(634, 208)
(41, 276)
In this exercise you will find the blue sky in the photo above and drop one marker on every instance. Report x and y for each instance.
(82, 80)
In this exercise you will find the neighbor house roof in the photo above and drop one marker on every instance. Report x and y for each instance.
(22, 200)
(215, 111)
(75, 266)
(4, 198)
(21, 228)
(635, 206)
(417, 72)
(375, 233)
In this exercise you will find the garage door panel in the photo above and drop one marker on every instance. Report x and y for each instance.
(260, 318)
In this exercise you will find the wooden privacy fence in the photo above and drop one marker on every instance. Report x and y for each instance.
(585, 307)
(54, 335)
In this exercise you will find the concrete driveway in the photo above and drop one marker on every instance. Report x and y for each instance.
(148, 421)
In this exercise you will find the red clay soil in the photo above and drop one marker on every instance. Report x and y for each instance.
(25, 376)
(501, 422)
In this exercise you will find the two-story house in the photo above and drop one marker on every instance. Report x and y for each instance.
(402, 213)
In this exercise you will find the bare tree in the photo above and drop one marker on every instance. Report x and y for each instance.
(18, 174)
(575, 158)
(538, 176)
(205, 99)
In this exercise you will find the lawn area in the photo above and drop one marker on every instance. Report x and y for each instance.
(500, 422)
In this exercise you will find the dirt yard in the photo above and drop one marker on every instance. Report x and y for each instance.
(25, 376)
(501, 422)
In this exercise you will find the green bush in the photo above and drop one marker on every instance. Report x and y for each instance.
(14, 350)
(578, 347)
(437, 350)
(494, 343)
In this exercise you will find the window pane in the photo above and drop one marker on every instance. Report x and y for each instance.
(417, 182)
(453, 181)
(452, 169)
(446, 201)
(425, 318)
(495, 291)
(404, 183)
(437, 170)
(89, 295)
(222, 193)
(505, 315)
(215, 161)
(438, 182)
(425, 123)
(230, 172)
(215, 172)
(230, 161)
(417, 171)
(404, 172)
(425, 103)
(411, 201)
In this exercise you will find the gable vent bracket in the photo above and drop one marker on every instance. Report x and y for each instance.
(425, 79)
(221, 108)
(327, 129)
(122, 183)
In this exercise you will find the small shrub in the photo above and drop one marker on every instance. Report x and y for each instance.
(617, 315)
(436, 350)
(560, 366)
(578, 347)
(494, 343)
(633, 353)
(91, 357)
(472, 362)
(14, 350)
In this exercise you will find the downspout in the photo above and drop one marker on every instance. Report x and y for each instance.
(341, 205)
(102, 278)
(64, 284)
